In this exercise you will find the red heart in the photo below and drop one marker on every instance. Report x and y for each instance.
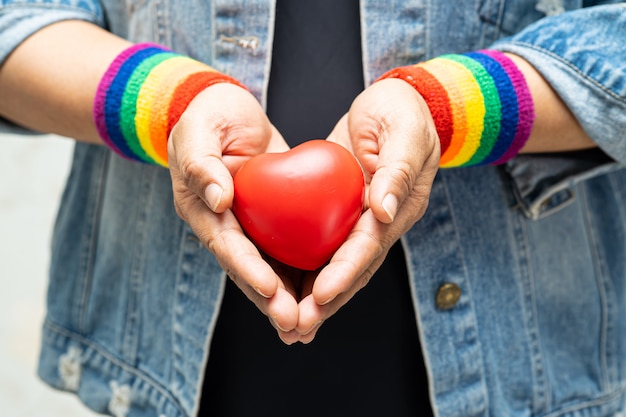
(299, 206)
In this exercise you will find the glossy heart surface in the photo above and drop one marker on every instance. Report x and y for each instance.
(299, 206)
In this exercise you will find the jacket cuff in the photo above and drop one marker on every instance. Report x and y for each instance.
(19, 20)
(589, 77)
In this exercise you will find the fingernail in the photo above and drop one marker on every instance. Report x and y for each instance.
(390, 205)
(258, 290)
(275, 320)
(213, 195)
(315, 326)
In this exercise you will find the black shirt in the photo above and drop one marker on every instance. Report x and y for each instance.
(366, 359)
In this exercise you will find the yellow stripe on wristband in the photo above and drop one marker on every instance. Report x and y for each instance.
(161, 105)
(474, 108)
(154, 98)
(459, 113)
(150, 91)
(142, 95)
(480, 103)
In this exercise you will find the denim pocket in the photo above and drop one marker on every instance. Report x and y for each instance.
(507, 17)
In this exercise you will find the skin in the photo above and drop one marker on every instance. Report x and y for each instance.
(388, 127)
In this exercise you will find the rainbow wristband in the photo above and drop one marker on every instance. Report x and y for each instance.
(142, 95)
(480, 102)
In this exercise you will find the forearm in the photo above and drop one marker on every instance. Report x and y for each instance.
(580, 55)
(555, 128)
(49, 82)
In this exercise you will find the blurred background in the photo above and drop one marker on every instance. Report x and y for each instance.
(32, 173)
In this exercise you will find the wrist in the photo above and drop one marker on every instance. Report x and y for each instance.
(481, 105)
(143, 94)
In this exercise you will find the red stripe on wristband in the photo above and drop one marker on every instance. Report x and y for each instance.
(435, 96)
(189, 89)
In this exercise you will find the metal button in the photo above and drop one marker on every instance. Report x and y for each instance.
(246, 42)
(448, 295)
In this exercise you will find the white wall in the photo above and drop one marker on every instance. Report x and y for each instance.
(32, 173)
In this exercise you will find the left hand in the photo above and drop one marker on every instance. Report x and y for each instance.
(391, 132)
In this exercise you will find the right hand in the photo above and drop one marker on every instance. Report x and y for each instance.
(222, 127)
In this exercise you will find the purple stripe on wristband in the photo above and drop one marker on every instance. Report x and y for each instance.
(526, 111)
(103, 88)
(508, 106)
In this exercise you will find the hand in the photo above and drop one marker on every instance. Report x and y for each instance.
(221, 128)
(391, 132)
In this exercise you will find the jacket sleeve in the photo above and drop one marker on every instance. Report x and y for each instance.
(19, 19)
(582, 55)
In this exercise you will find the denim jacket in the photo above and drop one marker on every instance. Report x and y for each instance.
(536, 249)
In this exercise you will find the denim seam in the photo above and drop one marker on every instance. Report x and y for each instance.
(466, 280)
(420, 326)
(114, 361)
(427, 21)
(541, 399)
(365, 56)
(607, 308)
(572, 67)
(532, 207)
(130, 342)
(268, 54)
(89, 253)
(31, 6)
(597, 402)
(160, 26)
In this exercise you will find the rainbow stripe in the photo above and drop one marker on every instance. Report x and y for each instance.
(480, 102)
(142, 95)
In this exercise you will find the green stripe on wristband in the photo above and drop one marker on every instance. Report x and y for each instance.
(139, 95)
(488, 98)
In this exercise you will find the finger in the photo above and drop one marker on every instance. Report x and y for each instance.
(340, 134)
(195, 156)
(353, 260)
(282, 309)
(222, 235)
(243, 263)
(400, 162)
(256, 279)
(392, 142)
(311, 316)
(289, 338)
(277, 143)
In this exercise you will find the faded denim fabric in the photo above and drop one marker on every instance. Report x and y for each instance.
(537, 247)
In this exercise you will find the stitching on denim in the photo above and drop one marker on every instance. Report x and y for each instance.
(65, 7)
(602, 282)
(115, 362)
(541, 397)
(131, 332)
(573, 67)
(88, 256)
(597, 402)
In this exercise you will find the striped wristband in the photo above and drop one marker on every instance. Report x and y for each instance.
(142, 95)
(481, 105)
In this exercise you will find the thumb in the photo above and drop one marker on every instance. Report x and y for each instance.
(400, 161)
(195, 159)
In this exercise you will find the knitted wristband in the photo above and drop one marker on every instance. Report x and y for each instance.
(480, 102)
(142, 95)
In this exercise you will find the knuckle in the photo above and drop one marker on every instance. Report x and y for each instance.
(402, 172)
(365, 278)
(179, 212)
(190, 169)
(375, 244)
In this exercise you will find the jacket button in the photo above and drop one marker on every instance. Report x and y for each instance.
(448, 295)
